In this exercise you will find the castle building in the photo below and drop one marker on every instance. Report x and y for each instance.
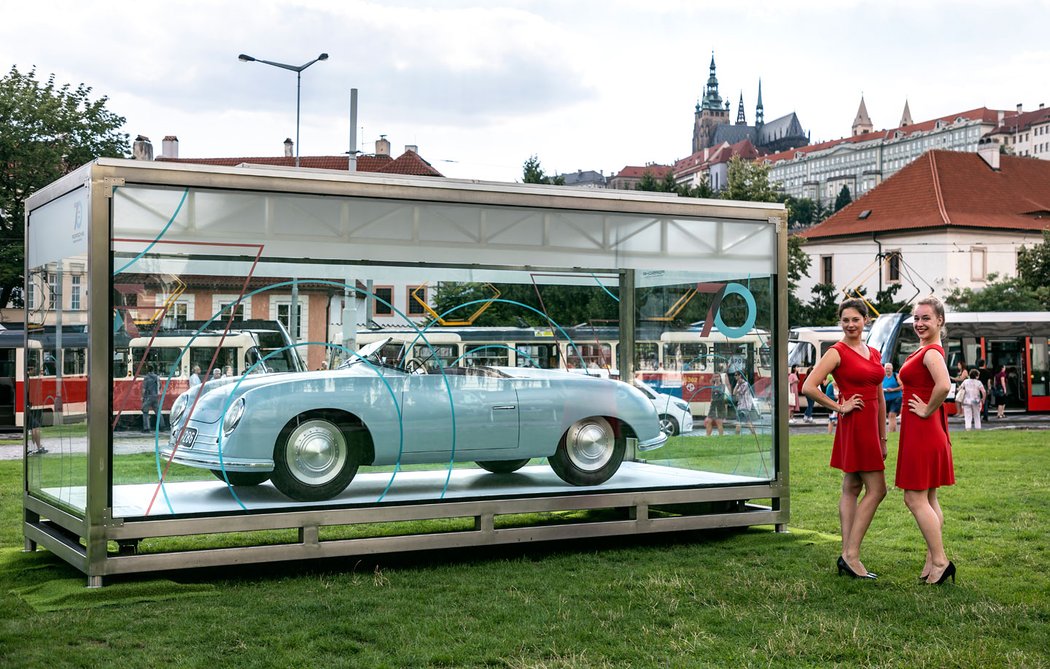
(712, 126)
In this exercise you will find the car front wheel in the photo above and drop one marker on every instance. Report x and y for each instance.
(589, 452)
(312, 460)
(668, 425)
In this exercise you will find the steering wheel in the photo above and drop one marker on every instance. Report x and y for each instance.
(415, 366)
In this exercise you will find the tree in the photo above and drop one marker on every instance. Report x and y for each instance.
(702, 190)
(532, 173)
(649, 182)
(47, 131)
(802, 211)
(1007, 294)
(823, 308)
(798, 267)
(749, 181)
(844, 198)
(1033, 269)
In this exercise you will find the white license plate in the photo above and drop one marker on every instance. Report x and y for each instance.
(186, 438)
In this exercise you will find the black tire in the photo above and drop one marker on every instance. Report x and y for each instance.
(502, 466)
(589, 452)
(669, 426)
(242, 478)
(314, 459)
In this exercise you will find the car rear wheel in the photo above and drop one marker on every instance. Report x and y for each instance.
(242, 478)
(668, 425)
(502, 466)
(589, 452)
(313, 460)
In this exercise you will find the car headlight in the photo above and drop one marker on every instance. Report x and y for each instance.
(682, 404)
(233, 416)
(179, 408)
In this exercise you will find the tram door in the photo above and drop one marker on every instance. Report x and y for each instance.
(1039, 369)
(1011, 353)
(7, 387)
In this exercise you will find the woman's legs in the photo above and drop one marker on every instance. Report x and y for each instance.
(856, 517)
(975, 409)
(927, 511)
(892, 417)
(968, 415)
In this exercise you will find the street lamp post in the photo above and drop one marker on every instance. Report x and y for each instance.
(298, 69)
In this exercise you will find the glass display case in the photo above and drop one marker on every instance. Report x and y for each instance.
(358, 360)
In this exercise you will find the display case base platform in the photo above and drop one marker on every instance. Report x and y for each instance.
(651, 498)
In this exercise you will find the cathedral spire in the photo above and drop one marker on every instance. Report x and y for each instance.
(906, 116)
(740, 120)
(862, 124)
(712, 100)
(759, 111)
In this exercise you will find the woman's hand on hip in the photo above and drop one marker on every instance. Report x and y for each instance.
(918, 407)
(854, 402)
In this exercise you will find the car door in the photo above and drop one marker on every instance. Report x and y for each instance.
(483, 411)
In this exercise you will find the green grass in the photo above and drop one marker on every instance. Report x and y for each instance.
(718, 599)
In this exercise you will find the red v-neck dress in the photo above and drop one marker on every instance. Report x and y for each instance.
(924, 457)
(857, 446)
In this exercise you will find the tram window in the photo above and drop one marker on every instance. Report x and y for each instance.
(765, 357)
(544, 356)
(7, 362)
(594, 356)
(1040, 368)
(435, 356)
(733, 358)
(120, 363)
(202, 356)
(686, 357)
(802, 353)
(907, 343)
(161, 357)
(646, 356)
(74, 361)
(488, 355)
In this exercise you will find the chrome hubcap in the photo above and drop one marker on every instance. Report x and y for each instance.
(590, 443)
(315, 452)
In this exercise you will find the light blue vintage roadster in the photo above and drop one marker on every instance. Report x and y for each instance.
(309, 432)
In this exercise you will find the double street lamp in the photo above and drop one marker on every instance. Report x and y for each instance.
(298, 69)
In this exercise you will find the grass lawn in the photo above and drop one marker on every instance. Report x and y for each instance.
(719, 599)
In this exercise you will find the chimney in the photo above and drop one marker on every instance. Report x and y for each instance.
(382, 146)
(988, 150)
(1040, 105)
(288, 146)
(142, 149)
(1019, 105)
(414, 148)
(169, 148)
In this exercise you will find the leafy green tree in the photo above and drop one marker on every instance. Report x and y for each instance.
(1033, 269)
(822, 309)
(532, 173)
(844, 198)
(649, 182)
(46, 131)
(802, 211)
(1007, 294)
(703, 189)
(798, 267)
(749, 181)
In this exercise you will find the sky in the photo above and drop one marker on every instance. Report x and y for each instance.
(480, 86)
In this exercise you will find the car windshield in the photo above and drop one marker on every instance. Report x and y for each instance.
(367, 352)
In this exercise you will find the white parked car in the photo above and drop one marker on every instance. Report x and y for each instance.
(675, 417)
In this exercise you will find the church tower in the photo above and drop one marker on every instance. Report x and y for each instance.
(759, 111)
(740, 119)
(710, 113)
(906, 116)
(862, 124)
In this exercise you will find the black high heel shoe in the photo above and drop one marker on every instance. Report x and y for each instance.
(844, 569)
(948, 571)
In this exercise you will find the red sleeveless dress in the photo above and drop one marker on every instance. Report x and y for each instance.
(924, 457)
(857, 446)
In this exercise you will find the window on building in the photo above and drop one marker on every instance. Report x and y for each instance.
(893, 266)
(384, 293)
(238, 311)
(284, 315)
(978, 263)
(825, 270)
(414, 307)
(74, 292)
(52, 290)
(31, 295)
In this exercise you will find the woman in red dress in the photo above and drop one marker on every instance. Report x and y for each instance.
(924, 461)
(860, 441)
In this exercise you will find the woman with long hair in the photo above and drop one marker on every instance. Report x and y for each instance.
(924, 460)
(860, 440)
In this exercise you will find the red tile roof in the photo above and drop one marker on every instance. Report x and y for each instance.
(719, 154)
(983, 114)
(1023, 121)
(407, 163)
(636, 172)
(949, 189)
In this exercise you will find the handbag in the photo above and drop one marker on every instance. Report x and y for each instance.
(960, 395)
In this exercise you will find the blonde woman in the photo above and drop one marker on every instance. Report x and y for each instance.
(924, 460)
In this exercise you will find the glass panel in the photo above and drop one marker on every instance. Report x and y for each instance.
(54, 396)
(372, 404)
(1040, 368)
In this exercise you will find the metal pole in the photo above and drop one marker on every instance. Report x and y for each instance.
(298, 87)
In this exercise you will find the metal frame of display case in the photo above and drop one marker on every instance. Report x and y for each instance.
(85, 541)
